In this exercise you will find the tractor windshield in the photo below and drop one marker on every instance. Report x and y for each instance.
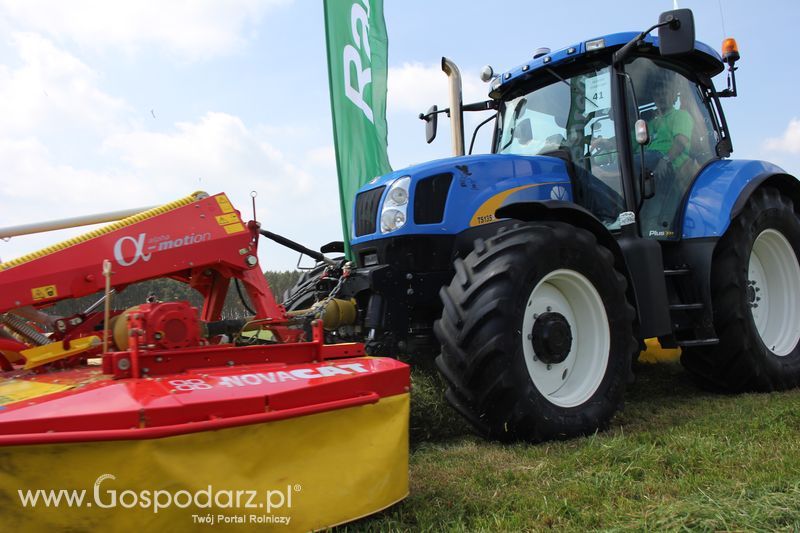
(569, 115)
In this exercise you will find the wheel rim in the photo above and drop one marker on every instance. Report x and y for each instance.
(773, 292)
(574, 380)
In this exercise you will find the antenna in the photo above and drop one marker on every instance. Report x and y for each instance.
(722, 19)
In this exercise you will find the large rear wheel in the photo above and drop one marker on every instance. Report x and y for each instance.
(755, 290)
(536, 334)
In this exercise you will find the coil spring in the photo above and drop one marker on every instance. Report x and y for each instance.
(19, 326)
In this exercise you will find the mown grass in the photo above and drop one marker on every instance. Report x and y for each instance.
(676, 458)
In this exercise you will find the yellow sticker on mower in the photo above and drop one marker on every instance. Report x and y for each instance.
(234, 228)
(230, 218)
(18, 390)
(224, 204)
(45, 292)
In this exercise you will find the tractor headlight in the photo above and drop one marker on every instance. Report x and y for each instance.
(392, 219)
(397, 196)
(393, 211)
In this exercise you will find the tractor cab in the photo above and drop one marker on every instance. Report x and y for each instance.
(634, 129)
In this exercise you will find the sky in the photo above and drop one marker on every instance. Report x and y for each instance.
(108, 105)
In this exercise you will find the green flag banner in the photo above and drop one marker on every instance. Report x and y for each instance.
(357, 71)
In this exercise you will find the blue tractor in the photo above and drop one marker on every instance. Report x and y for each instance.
(607, 212)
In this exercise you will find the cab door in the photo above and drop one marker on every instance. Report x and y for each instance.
(683, 138)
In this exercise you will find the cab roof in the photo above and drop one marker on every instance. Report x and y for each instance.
(702, 59)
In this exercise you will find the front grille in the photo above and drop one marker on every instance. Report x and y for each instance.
(412, 253)
(430, 197)
(367, 204)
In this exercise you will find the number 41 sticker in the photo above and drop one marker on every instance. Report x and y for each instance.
(598, 92)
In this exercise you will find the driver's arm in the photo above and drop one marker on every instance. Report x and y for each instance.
(681, 129)
(680, 144)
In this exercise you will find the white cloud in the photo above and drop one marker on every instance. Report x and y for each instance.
(50, 103)
(789, 141)
(217, 150)
(34, 186)
(217, 153)
(51, 87)
(67, 148)
(191, 29)
(414, 87)
(324, 157)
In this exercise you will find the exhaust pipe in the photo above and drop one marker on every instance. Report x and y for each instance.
(456, 114)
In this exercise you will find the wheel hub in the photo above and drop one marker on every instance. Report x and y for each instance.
(751, 292)
(551, 337)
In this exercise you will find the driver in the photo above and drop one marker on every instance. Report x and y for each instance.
(670, 131)
(667, 154)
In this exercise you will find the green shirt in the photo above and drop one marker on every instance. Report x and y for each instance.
(664, 129)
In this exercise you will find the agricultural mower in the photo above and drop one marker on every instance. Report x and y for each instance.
(160, 412)
(608, 212)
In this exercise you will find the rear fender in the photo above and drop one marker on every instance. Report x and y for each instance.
(722, 189)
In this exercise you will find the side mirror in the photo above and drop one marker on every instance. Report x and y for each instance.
(677, 35)
(431, 119)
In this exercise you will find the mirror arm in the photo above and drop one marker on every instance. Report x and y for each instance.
(731, 90)
(427, 116)
(486, 105)
(623, 52)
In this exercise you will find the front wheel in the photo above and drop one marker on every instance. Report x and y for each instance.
(755, 290)
(536, 334)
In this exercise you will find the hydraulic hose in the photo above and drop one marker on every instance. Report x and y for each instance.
(297, 247)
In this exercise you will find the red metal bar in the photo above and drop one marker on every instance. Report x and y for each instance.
(214, 297)
(261, 296)
(184, 429)
(163, 362)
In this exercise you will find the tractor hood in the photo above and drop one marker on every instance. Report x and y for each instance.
(447, 196)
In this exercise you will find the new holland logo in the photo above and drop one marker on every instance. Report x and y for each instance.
(558, 193)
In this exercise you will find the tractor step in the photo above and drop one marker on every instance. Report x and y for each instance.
(685, 307)
(677, 271)
(698, 342)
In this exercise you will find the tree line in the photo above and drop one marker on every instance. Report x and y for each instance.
(168, 290)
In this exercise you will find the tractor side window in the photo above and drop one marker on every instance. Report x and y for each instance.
(682, 140)
(562, 119)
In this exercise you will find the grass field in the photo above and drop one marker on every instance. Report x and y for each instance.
(676, 458)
